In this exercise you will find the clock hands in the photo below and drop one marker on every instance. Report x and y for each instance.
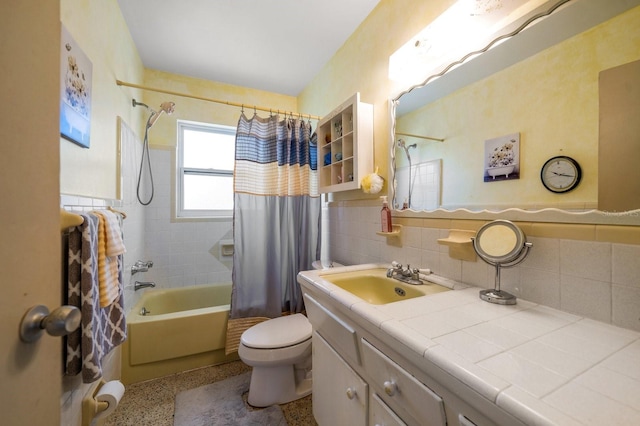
(562, 174)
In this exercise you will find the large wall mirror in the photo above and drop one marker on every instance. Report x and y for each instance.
(472, 141)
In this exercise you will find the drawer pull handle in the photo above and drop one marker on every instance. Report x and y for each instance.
(351, 393)
(390, 387)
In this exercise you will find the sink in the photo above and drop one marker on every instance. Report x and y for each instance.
(373, 286)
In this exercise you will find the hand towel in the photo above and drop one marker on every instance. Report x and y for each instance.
(101, 328)
(110, 246)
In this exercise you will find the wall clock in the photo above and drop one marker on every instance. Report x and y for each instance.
(561, 174)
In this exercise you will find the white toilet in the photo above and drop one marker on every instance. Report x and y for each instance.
(279, 350)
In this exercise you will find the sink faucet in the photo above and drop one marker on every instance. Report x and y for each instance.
(143, 284)
(407, 275)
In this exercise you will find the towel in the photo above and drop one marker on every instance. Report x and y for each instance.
(110, 246)
(101, 329)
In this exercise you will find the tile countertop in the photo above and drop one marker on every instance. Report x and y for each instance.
(542, 365)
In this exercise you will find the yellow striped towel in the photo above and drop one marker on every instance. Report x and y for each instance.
(110, 246)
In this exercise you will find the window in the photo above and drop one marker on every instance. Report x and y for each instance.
(206, 155)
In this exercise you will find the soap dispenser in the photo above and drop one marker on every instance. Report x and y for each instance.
(385, 216)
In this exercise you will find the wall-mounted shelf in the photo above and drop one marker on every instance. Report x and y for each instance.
(396, 230)
(460, 244)
(345, 146)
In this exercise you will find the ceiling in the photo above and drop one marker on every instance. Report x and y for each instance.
(273, 45)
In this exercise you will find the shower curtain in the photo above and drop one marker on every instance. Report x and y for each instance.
(276, 220)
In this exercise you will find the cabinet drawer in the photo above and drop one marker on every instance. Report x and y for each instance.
(334, 329)
(381, 414)
(396, 386)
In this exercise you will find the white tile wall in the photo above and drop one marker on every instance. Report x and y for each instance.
(592, 279)
(184, 253)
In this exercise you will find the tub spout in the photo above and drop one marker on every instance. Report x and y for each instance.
(143, 284)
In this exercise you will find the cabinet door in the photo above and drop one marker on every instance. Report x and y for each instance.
(339, 394)
(381, 414)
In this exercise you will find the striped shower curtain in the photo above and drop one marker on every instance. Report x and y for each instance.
(276, 219)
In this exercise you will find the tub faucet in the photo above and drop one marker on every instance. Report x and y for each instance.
(141, 266)
(143, 284)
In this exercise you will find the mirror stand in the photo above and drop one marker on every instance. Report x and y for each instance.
(496, 295)
(501, 244)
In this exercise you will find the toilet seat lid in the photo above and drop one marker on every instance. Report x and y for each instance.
(278, 332)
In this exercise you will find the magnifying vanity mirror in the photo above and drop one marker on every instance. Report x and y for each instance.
(538, 78)
(501, 244)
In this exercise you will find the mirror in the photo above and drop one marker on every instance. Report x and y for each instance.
(541, 85)
(501, 244)
(499, 241)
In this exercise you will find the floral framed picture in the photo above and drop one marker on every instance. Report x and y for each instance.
(75, 92)
(502, 158)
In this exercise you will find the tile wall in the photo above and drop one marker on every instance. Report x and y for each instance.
(568, 271)
(184, 252)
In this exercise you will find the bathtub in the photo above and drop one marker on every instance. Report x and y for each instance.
(173, 330)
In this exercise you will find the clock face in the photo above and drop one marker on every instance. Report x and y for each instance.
(560, 174)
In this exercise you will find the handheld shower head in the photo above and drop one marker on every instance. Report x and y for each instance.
(166, 107)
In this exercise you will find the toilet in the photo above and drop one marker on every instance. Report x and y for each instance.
(279, 350)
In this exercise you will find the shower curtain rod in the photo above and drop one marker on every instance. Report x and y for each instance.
(420, 136)
(218, 101)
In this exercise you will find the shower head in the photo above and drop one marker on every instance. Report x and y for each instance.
(166, 107)
(402, 144)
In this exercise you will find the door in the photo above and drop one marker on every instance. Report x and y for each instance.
(30, 374)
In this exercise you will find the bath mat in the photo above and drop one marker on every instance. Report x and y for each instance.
(221, 404)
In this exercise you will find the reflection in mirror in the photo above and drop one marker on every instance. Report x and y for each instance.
(541, 83)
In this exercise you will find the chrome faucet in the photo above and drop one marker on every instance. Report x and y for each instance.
(141, 266)
(407, 275)
(143, 284)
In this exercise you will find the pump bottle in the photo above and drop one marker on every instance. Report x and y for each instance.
(385, 215)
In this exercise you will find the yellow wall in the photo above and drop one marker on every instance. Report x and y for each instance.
(362, 65)
(163, 133)
(550, 98)
(100, 30)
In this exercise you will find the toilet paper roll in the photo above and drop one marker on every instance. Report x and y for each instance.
(111, 393)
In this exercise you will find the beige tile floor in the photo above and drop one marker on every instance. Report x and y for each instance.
(151, 403)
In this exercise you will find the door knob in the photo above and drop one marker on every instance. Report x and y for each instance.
(60, 322)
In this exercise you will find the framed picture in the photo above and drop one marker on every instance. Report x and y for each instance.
(502, 158)
(75, 92)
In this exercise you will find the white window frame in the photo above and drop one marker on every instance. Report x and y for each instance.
(183, 125)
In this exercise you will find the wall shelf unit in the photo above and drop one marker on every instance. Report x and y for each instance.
(345, 146)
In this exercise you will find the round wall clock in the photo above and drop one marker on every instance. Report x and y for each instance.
(561, 174)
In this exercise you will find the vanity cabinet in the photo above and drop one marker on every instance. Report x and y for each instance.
(345, 146)
(354, 383)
